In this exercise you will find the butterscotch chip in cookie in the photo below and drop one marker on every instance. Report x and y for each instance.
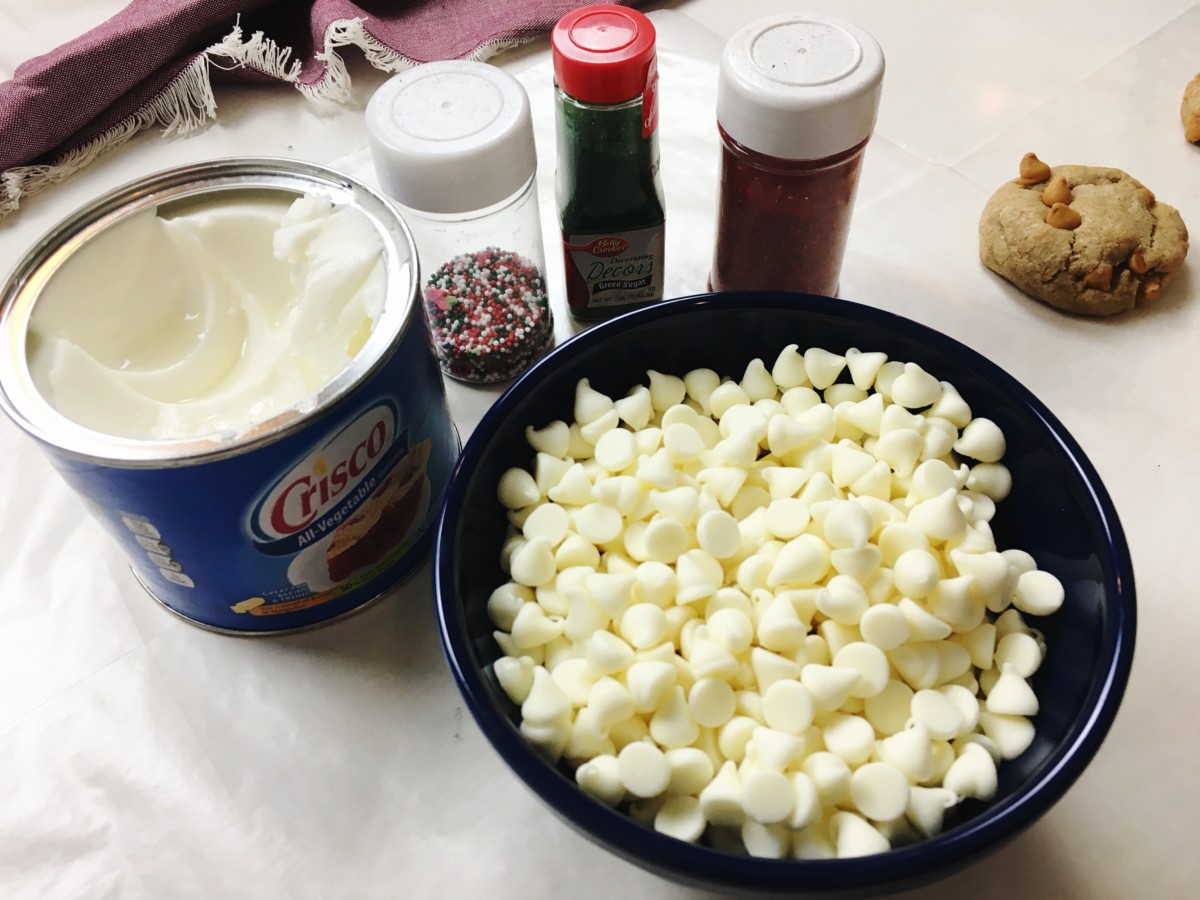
(1189, 111)
(1110, 248)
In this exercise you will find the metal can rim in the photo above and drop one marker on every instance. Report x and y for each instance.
(24, 404)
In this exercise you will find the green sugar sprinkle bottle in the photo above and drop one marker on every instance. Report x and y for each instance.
(610, 198)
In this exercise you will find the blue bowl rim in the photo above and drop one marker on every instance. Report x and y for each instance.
(698, 864)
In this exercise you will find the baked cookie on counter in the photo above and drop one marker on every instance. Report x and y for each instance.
(1083, 239)
(1189, 111)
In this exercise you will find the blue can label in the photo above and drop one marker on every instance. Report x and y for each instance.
(300, 530)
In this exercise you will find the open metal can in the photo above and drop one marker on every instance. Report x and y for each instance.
(290, 521)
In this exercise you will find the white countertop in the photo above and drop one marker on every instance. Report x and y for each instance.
(144, 757)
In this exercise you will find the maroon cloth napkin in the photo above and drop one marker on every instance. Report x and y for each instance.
(154, 63)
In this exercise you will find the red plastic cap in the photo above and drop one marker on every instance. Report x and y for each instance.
(603, 53)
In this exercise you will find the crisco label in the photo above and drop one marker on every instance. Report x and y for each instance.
(317, 494)
(605, 270)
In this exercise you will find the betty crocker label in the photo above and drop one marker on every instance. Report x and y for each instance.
(614, 269)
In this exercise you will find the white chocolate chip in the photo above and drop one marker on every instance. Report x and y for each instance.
(802, 561)
(649, 683)
(879, 791)
(1011, 694)
(884, 626)
(517, 489)
(890, 709)
(788, 370)
(917, 664)
(574, 488)
(1012, 734)
(765, 841)
(616, 450)
(712, 702)
(607, 654)
(830, 775)
(681, 818)
(532, 563)
(850, 737)
(854, 836)
(869, 662)
(822, 367)
(575, 679)
(1038, 593)
(549, 471)
(600, 777)
(590, 404)
(515, 676)
(757, 381)
(546, 702)
(864, 367)
(767, 796)
(915, 388)
(609, 702)
(788, 707)
(780, 628)
(665, 390)
(700, 383)
(951, 406)
(721, 799)
(939, 518)
(643, 769)
(635, 409)
(981, 440)
(644, 625)
(972, 774)
(774, 749)
(771, 667)
(938, 713)
(1019, 650)
(551, 439)
(593, 431)
(672, 724)
(992, 479)
(732, 629)
(927, 808)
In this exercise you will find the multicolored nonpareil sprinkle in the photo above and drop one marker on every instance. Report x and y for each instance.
(489, 315)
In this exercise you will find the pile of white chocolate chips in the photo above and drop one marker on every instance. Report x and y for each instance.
(770, 612)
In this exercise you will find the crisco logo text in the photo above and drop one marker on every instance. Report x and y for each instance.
(300, 502)
(328, 475)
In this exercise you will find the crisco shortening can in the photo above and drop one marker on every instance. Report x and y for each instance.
(299, 518)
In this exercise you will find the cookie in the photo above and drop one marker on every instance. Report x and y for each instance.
(1189, 111)
(1083, 239)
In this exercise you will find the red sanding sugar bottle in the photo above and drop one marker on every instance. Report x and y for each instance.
(610, 198)
(796, 104)
(452, 144)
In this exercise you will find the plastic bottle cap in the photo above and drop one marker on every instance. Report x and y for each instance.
(799, 86)
(451, 137)
(603, 53)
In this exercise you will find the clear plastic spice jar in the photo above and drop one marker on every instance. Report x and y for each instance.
(796, 105)
(453, 146)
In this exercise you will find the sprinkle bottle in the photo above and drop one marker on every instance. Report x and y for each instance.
(609, 194)
(796, 105)
(452, 144)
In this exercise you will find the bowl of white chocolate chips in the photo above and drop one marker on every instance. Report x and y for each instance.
(783, 594)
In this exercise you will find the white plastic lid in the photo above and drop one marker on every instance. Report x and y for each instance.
(799, 86)
(451, 137)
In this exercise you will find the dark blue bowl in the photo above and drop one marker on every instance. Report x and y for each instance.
(1058, 511)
